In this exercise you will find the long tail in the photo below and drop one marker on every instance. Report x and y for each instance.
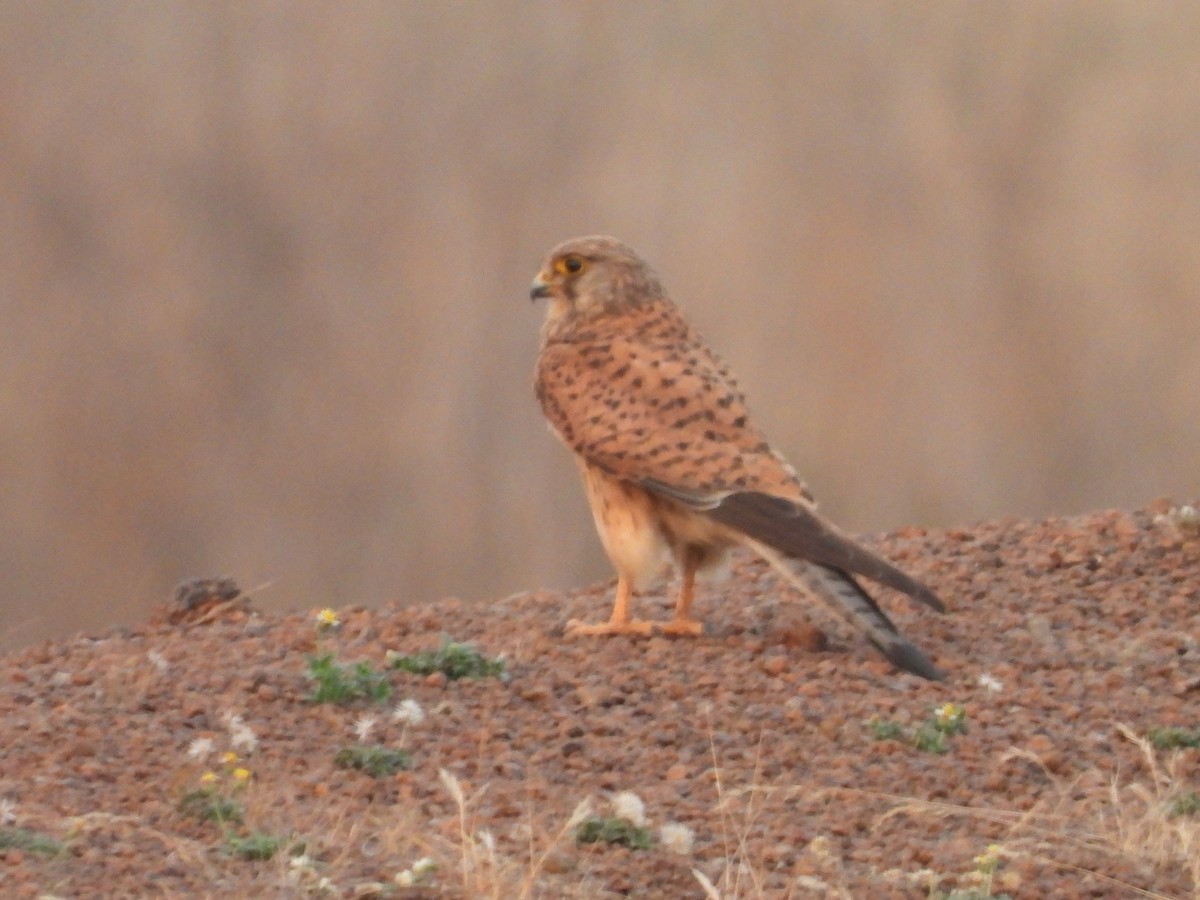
(854, 605)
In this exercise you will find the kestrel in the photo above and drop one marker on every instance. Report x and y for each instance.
(673, 468)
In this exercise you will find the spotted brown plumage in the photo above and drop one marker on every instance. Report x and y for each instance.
(673, 467)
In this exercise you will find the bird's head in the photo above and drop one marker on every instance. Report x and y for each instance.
(589, 276)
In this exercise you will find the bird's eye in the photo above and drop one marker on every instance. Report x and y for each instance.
(570, 265)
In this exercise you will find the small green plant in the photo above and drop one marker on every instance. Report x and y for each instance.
(255, 845)
(208, 806)
(29, 841)
(1185, 805)
(1173, 738)
(216, 798)
(930, 740)
(376, 761)
(345, 683)
(452, 659)
(886, 730)
(930, 737)
(597, 830)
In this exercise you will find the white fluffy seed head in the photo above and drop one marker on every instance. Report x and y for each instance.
(363, 727)
(676, 837)
(628, 806)
(990, 683)
(243, 737)
(409, 711)
(200, 748)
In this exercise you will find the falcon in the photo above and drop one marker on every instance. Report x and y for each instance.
(674, 470)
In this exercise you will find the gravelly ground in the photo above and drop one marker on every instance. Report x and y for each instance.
(755, 737)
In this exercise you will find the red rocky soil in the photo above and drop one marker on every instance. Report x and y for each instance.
(1066, 641)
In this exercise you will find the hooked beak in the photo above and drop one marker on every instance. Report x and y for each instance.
(539, 290)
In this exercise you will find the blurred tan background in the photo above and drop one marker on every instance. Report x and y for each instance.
(263, 273)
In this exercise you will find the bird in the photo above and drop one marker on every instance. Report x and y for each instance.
(674, 470)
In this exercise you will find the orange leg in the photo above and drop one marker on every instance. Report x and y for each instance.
(618, 623)
(683, 624)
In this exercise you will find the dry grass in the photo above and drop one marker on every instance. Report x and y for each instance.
(1083, 821)
(740, 869)
(486, 873)
(1096, 816)
(1136, 818)
(1080, 823)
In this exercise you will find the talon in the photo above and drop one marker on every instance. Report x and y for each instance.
(682, 627)
(632, 626)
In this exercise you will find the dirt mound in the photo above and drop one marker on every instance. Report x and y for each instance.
(1059, 759)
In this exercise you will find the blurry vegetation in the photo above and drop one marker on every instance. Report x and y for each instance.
(1169, 738)
(29, 841)
(930, 735)
(452, 659)
(373, 759)
(335, 682)
(613, 830)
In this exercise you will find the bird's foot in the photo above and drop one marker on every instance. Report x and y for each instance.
(682, 627)
(629, 626)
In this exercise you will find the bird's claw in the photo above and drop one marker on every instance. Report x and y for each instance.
(681, 627)
(576, 628)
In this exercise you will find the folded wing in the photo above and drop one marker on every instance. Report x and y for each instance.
(797, 531)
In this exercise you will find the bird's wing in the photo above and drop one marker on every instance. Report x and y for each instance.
(798, 531)
(670, 417)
